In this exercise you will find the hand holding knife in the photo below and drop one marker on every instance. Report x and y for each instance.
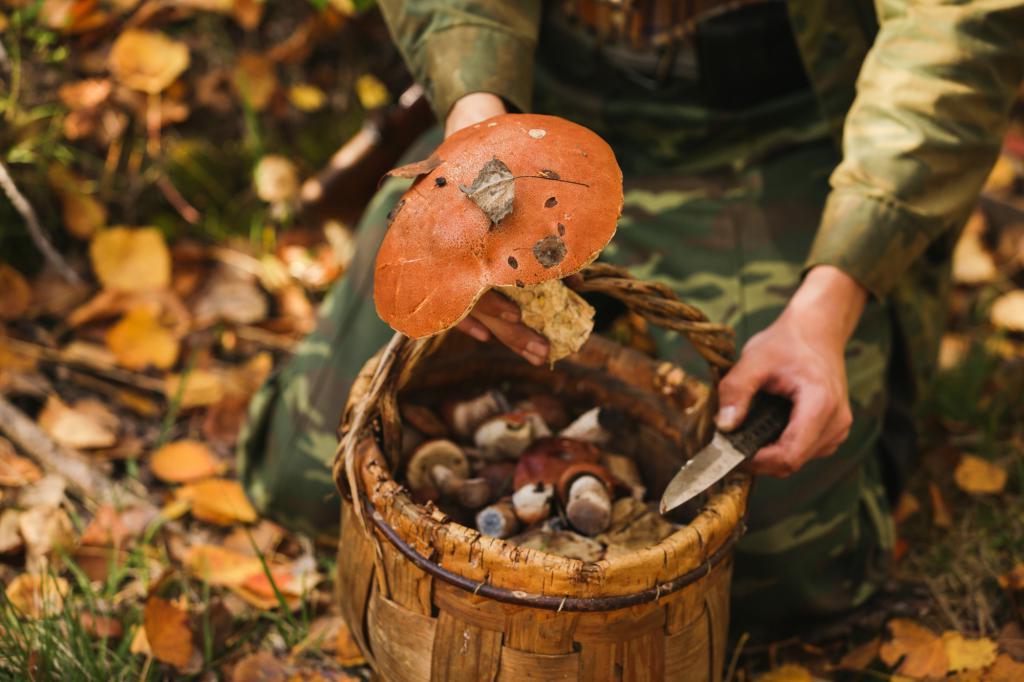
(766, 420)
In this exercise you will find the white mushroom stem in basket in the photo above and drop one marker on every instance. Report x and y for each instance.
(471, 493)
(557, 313)
(532, 502)
(589, 506)
(498, 520)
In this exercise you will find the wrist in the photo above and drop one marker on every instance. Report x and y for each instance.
(830, 301)
(472, 108)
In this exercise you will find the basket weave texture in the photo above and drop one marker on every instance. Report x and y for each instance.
(429, 599)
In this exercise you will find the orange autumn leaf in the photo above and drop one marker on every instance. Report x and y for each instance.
(147, 60)
(83, 213)
(138, 341)
(218, 500)
(254, 80)
(1008, 311)
(167, 632)
(1014, 579)
(184, 461)
(15, 470)
(1005, 669)
(918, 651)
(16, 296)
(979, 476)
(941, 516)
(968, 654)
(789, 672)
(131, 259)
(906, 507)
(219, 566)
(259, 583)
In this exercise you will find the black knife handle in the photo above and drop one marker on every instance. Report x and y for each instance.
(765, 422)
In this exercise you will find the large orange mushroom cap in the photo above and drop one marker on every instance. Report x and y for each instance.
(442, 251)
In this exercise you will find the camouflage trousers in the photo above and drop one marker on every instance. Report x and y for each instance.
(730, 239)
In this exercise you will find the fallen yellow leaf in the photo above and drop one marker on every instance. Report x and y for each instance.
(968, 654)
(85, 94)
(131, 260)
(790, 672)
(198, 388)
(37, 595)
(918, 651)
(83, 214)
(977, 475)
(906, 507)
(139, 341)
(167, 632)
(306, 97)
(218, 500)
(86, 425)
(184, 461)
(371, 92)
(1002, 176)
(147, 60)
(1008, 311)
(16, 294)
(859, 658)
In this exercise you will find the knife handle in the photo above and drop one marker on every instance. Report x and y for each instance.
(765, 422)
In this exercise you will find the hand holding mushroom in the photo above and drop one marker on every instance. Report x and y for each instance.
(514, 203)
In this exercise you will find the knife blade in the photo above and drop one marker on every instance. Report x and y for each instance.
(765, 422)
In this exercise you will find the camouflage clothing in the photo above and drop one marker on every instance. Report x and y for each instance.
(725, 207)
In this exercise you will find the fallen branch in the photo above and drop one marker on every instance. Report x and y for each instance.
(122, 376)
(35, 229)
(82, 476)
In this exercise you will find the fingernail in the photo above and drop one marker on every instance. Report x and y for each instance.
(726, 418)
(533, 359)
(510, 315)
(479, 334)
(537, 348)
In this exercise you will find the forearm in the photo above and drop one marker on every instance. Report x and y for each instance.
(472, 108)
(828, 304)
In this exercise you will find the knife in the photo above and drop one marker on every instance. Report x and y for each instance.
(765, 422)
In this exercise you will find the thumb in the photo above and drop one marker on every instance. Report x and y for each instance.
(735, 392)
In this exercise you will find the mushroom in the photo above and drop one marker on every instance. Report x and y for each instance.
(508, 435)
(499, 476)
(585, 491)
(465, 416)
(624, 472)
(498, 520)
(432, 460)
(532, 502)
(593, 426)
(526, 200)
(471, 493)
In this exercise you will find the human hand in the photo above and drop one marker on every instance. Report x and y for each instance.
(472, 108)
(498, 317)
(800, 356)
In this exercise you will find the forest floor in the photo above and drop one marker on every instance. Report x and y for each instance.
(161, 147)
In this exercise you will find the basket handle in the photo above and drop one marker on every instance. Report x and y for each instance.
(654, 301)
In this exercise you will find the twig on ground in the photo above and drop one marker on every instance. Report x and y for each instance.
(35, 229)
(83, 478)
(263, 337)
(175, 199)
(123, 376)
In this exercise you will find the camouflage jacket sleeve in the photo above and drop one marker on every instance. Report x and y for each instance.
(932, 105)
(455, 47)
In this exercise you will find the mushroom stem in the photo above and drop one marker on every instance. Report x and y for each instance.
(589, 506)
(498, 520)
(557, 313)
(471, 493)
(623, 470)
(532, 502)
(588, 428)
(465, 417)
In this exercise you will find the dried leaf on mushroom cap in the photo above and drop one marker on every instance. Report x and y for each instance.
(443, 251)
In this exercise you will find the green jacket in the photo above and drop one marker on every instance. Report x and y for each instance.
(921, 101)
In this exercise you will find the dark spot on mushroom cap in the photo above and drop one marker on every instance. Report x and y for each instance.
(520, 283)
(551, 202)
(550, 174)
(549, 251)
(440, 181)
(512, 262)
(561, 230)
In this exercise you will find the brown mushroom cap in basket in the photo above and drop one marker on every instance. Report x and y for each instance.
(442, 250)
